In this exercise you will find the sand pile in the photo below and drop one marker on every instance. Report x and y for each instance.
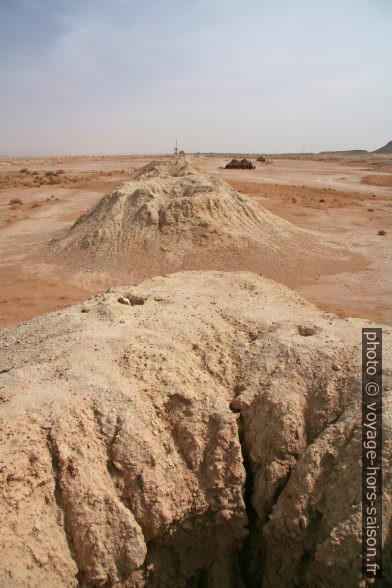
(172, 217)
(208, 435)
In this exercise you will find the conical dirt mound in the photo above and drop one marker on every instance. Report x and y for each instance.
(172, 217)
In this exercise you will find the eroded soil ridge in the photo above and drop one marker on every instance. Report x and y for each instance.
(192, 439)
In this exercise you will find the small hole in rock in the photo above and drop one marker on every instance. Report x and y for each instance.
(306, 330)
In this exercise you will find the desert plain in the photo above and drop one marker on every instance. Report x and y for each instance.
(346, 198)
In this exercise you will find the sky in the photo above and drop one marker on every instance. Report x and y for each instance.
(131, 76)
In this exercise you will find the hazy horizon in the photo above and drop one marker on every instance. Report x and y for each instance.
(129, 76)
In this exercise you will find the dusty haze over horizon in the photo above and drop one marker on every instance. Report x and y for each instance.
(130, 76)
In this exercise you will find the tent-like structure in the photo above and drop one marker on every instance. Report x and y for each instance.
(240, 164)
(262, 159)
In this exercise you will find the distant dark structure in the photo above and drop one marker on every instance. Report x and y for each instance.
(263, 159)
(178, 152)
(240, 164)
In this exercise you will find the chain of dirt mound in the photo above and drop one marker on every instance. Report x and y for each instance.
(208, 433)
(171, 217)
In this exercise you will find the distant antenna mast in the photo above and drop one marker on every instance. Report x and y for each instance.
(303, 147)
(176, 149)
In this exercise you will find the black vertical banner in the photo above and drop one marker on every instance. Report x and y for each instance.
(372, 453)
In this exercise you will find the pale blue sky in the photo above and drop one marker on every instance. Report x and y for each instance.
(128, 76)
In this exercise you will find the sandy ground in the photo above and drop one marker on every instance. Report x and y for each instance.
(328, 195)
(338, 174)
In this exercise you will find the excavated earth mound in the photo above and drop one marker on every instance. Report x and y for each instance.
(171, 217)
(185, 438)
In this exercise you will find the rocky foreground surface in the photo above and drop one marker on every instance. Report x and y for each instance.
(206, 434)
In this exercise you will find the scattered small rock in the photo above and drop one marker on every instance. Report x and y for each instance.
(118, 466)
